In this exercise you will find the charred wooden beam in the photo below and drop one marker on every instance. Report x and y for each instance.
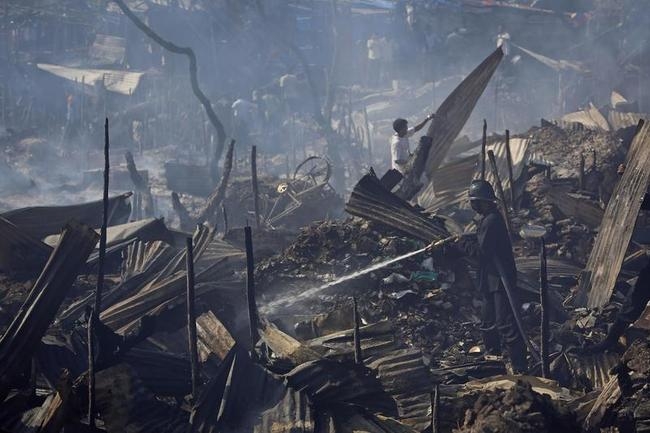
(141, 186)
(502, 195)
(483, 149)
(255, 186)
(217, 196)
(511, 177)
(191, 317)
(598, 279)
(358, 356)
(543, 300)
(253, 320)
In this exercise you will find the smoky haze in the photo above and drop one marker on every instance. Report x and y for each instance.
(68, 65)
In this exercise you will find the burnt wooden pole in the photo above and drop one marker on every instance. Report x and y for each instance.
(483, 148)
(435, 408)
(543, 295)
(250, 286)
(191, 317)
(225, 219)
(581, 173)
(256, 196)
(358, 356)
(499, 186)
(510, 175)
(91, 369)
(100, 283)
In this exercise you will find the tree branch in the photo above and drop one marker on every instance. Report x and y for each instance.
(187, 51)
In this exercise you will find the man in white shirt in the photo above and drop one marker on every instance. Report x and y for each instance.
(400, 148)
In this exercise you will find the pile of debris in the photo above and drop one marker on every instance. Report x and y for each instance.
(518, 410)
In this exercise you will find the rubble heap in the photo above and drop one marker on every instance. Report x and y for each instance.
(517, 410)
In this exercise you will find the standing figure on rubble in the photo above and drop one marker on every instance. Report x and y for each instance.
(400, 147)
(497, 267)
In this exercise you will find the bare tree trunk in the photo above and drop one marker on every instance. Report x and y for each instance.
(187, 51)
(140, 184)
(215, 199)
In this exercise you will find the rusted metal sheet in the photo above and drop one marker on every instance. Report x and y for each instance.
(41, 221)
(21, 339)
(370, 200)
(599, 277)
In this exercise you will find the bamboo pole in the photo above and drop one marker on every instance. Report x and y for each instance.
(191, 317)
(581, 173)
(358, 356)
(225, 218)
(100, 284)
(256, 195)
(250, 286)
(483, 148)
(435, 408)
(543, 294)
(510, 174)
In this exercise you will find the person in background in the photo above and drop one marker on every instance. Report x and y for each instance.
(400, 147)
(374, 46)
(503, 40)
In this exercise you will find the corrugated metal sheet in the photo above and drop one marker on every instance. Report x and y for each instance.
(456, 109)
(292, 414)
(148, 230)
(21, 339)
(449, 185)
(122, 82)
(450, 182)
(590, 118)
(41, 221)
(519, 152)
(370, 200)
(619, 120)
(328, 382)
(127, 405)
(406, 378)
(599, 277)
